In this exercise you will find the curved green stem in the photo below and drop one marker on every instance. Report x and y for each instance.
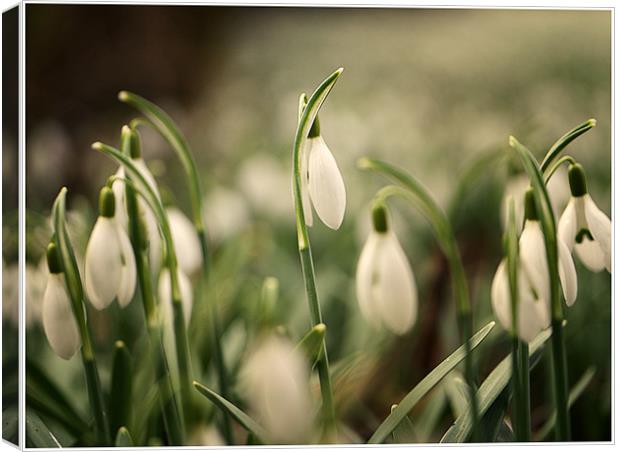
(145, 190)
(306, 120)
(76, 293)
(564, 141)
(417, 194)
(556, 165)
(173, 419)
(167, 128)
(547, 221)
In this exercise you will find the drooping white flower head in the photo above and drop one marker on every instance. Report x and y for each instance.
(186, 242)
(386, 289)
(110, 267)
(59, 322)
(275, 382)
(321, 182)
(533, 283)
(583, 227)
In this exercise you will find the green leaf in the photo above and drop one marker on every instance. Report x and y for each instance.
(490, 390)
(10, 420)
(575, 393)
(123, 438)
(120, 387)
(405, 432)
(427, 383)
(312, 343)
(493, 419)
(246, 421)
(457, 390)
(430, 415)
(37, 433)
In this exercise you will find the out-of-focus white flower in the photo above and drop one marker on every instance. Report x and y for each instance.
(110, 267)
(275, 382)
(226, 213)
(58, 320)
(533, 280)
(321, 182)
(206, 435)
(261, 178)
(186, 242)
(36, 281)
(10, 293)
(584, 227)
(386, 288)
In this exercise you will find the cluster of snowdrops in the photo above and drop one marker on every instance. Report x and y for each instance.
(138, 245)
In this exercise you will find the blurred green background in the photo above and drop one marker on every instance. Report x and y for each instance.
(433, 91)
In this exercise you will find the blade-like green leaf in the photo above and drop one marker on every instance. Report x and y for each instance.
(564, 141)
(10, 420)
(246, 421)
(123, 438)
(405, 432)
(490, 390)
(120, 387)
(457, 391)
(37, 433)
(490, 423)
(575, 393)
(431, 414)
(312, 343)
(416, 394)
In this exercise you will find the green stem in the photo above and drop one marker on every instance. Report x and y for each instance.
(562, 426)
(564, 141)
(306, 120)
(520, 382)
(173, 421)
(415, 193)
(556, 165)
(163, 123)
(76, 293)
(144, 189)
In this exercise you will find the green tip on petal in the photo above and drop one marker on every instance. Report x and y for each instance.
(530, 205)
(53, 259)
(106, 202)
(123, 96)
(379, 218)
(577, 180)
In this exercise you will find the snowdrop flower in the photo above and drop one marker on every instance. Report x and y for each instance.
(275, 382)
(583, 226)
(226, 212)
(110, 267)
(148, 217)
(58, 320)
(386, 289)
(321, 181)
(533, 279)
(186, 242)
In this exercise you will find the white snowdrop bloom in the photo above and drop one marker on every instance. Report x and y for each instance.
(225, 213)
(109, 263)
(583, 227)
(59, 322)
(275, 382)
(533, 312)
(386, 288)
(261, 179)
(321, 182)
(36, 281)
(206, 435)
(186, 242)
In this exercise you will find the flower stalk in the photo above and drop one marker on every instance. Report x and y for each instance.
(76, 294)
(173, 421)
(307, 118)
(161, 121)
(419, 197)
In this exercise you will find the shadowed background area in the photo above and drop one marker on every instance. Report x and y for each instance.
(429, 90)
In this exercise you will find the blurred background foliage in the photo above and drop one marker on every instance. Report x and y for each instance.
(434, 91)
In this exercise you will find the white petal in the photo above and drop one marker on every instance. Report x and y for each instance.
(305, 195)
(58, 321)
(118, 187)
(153, 237)
(559, 191)
(567, 226)
(274, 380)
(533, 256)
(103, 263)
(127, 285)
(567, 273)
(394, 291)
(515, 188)
(600, 227)
(185, 287)
(500, 297)
(186, 242)
(363, 279)
(146, 173)
(590, 254)
(325, 184)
